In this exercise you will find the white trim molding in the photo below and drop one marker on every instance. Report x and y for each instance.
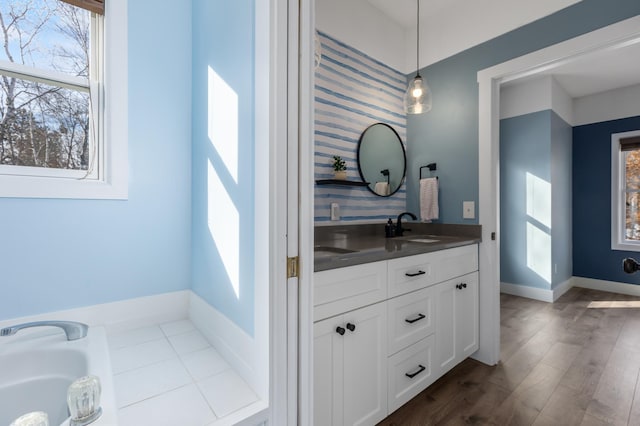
(618, 195)
(121, 315)
(610, 286)
(536, 293)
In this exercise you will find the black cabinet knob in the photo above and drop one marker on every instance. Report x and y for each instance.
(351, 327)
(340, 331)
(464, 285)
(458, 286)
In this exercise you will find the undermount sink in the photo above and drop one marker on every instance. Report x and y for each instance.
(320, 251)
(425, 239)
(422, 240)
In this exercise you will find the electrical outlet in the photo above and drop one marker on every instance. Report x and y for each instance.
(468, 209)
(335, 211)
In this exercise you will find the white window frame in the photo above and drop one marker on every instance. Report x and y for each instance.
(618, 200)
(110, 103)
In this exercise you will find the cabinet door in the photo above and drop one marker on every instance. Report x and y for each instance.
(365, 365)
(467, 316)
(328, 348)
(445, 301)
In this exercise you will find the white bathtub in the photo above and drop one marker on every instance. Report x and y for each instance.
(36, 370)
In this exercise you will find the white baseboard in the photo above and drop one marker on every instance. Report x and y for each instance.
(116, 316)
(610, 286)
(232, 342)
(544, 295)
(562, 288)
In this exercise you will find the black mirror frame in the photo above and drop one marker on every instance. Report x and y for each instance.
(404, 155)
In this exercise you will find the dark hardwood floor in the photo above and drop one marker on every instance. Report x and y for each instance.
(573, 362)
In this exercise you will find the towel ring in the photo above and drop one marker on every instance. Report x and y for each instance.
(385, 172)
(430, 166)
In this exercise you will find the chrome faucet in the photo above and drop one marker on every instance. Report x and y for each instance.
(73, 330)
(399, 228)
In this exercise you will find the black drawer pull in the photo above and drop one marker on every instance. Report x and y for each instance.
(351, 327)
(415, 318)
(416, 274)
(340, 331)
(420, 369)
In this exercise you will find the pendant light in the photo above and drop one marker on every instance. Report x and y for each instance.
(417, 98)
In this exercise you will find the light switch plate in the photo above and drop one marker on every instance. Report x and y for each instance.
(468, 209)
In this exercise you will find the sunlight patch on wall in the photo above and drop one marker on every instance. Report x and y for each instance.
(224, 226)
(539, 199)
(539, 252)
(223, 121)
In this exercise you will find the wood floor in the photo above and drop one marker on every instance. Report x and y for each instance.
(561, 364)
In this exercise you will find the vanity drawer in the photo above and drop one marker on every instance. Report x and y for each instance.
(410, 372)
(344, 289)
(456, 262)
(411, 273)
(411, 318)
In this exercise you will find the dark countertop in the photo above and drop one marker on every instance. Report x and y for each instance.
(348, 245)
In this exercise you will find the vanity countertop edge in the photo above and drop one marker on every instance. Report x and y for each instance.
(365, 244)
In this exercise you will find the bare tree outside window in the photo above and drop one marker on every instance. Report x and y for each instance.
(632, 189)
(43, 124)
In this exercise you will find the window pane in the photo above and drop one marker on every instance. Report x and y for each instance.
(632, 226)
(632, 170)
(46, 34)
(43, 126)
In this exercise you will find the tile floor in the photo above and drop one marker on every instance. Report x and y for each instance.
(169, 375)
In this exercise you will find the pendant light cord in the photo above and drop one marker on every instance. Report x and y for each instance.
(418, 40)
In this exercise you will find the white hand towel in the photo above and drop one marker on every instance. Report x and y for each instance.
(429, 199)
(381, 188)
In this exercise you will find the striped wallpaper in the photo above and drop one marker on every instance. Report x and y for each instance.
(353, 91)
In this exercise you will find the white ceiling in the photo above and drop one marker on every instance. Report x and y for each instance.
(599, 72)
(403, 12)
(595, 73)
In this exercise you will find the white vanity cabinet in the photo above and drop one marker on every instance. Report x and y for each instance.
(386, 330)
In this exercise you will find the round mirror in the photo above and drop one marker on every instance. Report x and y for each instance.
(381, 159)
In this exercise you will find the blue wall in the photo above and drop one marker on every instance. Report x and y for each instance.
(525, 148)
(539, 145)
(353, 91)
(448, 134)
(592, 254)
(61, 254)
(223, 43)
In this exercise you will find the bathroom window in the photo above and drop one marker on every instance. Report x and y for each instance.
(55, 139)
(625, 191)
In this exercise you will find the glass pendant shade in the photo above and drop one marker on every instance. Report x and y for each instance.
(417, 98)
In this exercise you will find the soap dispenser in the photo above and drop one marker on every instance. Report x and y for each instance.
(389, 229)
